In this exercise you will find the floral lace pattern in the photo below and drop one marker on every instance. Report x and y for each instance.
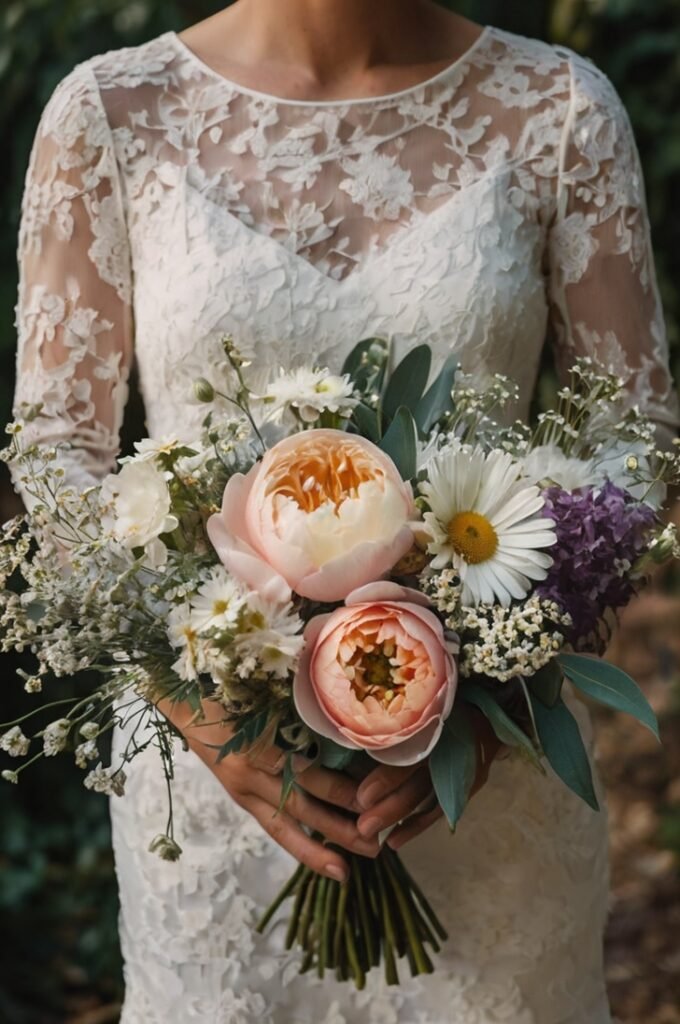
(500, 202)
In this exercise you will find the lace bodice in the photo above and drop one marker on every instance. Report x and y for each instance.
(500, 201)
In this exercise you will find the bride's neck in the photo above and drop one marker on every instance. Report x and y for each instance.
(335, 39)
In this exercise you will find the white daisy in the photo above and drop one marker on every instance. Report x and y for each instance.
(182, 634)
(310, 392)
(217, 602)
(271, 634)
(485, 521)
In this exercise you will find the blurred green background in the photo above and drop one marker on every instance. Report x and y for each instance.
(58, 902)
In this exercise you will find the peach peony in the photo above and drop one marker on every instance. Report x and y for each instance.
(378, 674)
(323, 512)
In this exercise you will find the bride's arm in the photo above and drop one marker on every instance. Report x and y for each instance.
(75, 345)
(74, 318)
(601, 277)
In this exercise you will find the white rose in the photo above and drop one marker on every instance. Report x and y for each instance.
(138, 504)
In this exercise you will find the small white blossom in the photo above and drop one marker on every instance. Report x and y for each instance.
(89, 730)
(165, 847)
(14, 743)
(217, 603)
(109, 781)
(270, 635)
(86, 752)
(55, 736)
(10, 776)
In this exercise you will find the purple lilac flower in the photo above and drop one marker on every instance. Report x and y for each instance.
(600, 533)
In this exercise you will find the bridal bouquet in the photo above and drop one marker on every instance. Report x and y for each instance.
(348, 566)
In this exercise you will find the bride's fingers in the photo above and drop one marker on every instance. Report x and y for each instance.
(333, 787)
(398, 805)
(270, 760)
(381, 782)
(413, 827)
(288, 834)
(318, 816)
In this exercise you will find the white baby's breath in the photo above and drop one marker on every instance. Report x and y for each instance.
(55, 736)
(14, 743)
(110, 781)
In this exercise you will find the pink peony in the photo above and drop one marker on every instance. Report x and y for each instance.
(377, 674)
(322, 513)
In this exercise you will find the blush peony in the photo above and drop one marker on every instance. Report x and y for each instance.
(322, 513)
(378, 674)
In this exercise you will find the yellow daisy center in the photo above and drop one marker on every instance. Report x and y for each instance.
(472, 537)
(220, 606)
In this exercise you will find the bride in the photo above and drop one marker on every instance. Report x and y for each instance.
(301, 174)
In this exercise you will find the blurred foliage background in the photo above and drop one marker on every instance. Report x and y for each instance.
(58, 901)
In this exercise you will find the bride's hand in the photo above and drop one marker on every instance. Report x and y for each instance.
(404, 797)
(255, 784)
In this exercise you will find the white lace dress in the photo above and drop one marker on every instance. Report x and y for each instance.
(496, 204)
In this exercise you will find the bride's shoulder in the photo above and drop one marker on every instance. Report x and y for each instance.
(549, 71)
(152, 63)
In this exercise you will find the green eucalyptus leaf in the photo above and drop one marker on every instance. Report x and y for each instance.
(437, 400)
(546, 684)
(407, 381)
(506, 730)
(609, 685)
(250, 730)
(400, 443)
(453, 765)
(332, 755)
(287, 780)
(366, 422)
(563, 746)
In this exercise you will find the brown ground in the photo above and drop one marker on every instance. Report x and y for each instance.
(643, 781)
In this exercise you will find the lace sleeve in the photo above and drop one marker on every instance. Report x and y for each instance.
(73, 314)
(603, 292)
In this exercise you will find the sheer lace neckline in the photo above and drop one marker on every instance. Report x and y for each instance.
(441, 76)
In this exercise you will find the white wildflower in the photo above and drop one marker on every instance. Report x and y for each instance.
(165, 847)
(310, 393)
(10, 776)
(270, 635)
(148, 448)
(217, 603)
(15, 743)
(183, 634)
(89, 730)
(110, 781)
(55, 736)
(86, 752)
(547, 464)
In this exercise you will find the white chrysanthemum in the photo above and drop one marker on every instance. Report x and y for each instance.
(218, 601)
(485, 521)
(310, 392)
(271, 635)
(547, 463)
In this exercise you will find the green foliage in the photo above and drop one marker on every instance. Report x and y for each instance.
(610, 686)
(563, 746)
(453, 765)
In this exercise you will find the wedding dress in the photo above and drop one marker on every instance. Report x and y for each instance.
(498, 203)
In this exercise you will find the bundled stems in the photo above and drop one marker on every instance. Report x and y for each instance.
(378, 916)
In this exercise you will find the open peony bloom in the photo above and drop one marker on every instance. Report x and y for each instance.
(377, 674)
(322, 513)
